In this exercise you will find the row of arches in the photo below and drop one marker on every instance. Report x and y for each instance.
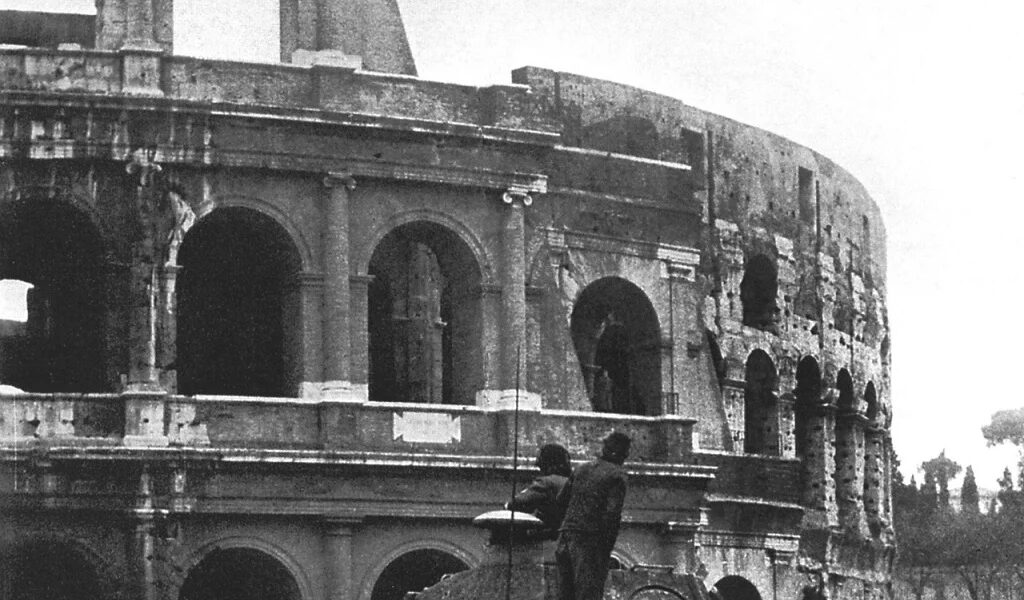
(51, 570)
(838, 435)
(240, 313)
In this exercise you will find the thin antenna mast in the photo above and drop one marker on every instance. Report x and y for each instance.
(515, 468)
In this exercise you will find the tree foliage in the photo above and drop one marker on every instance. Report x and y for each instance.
(969, 493)
(1006, 426)
(984, 551)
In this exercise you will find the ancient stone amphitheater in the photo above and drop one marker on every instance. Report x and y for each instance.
(287, 323)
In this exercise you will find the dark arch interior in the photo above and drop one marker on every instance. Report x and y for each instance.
(55, 247)
(424, 317)
(238, 307)
(871, 401)
(617, 338)
(808, 394)
(734, 587)
(759, 404)
(45, 571)
(414, 571)
(845, 385)
(239, 574)
(758, 290)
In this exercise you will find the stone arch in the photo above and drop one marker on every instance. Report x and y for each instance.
(847, 402)
(55, 567)
(226, 566)
(849, 455)
(760, 405)
(425, 317)
(267, 209)
(734, 587)
(758, 291)
(870, 402)
(56, 246)
(413, 566)
(88, 209)
(361, 257)
(617, 338)
(239, 317)
(808, 396)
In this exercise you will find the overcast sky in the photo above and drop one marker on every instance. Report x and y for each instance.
(923, 101)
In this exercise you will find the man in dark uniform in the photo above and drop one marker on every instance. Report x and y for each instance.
(541, 498)
(593, 499)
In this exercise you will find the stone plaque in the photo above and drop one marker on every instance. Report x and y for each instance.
(427, 427)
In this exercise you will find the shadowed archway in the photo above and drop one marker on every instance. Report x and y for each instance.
(617, 338)
(239, 574)
(238, 307)
(54, 247)
(413, 571)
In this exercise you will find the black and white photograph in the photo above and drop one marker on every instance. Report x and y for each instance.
(511, 300)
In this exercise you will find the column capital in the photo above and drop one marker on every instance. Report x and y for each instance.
(344, 179)
(338, 525)
(514, 193)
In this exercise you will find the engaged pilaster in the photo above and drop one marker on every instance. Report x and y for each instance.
(338, 557)
(337, 300)
(513, 309)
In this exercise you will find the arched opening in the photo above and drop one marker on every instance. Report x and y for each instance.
(808, 396)
(809, 440)
(413, 571)
(871, 402)
(734, 587)
(42, 570)
(760, 404)
(844, 383)
(238, 307)
(617, 338)
(424, 317)
(758, 290)
(239, 574)
(54, 254)
(847, 489)
(874, 463)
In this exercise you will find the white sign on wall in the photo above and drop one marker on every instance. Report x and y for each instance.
(427, 427)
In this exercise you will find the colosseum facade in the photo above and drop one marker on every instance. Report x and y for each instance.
(286, 323)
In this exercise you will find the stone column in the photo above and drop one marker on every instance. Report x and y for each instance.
(337, 303)
(818, 467)
(140, 547)
(139, 21)
(735, 411)
(874, 478)
(311, 300)
(338, 559)
(144, 397)
(167, 332)
(683, 545)
(849, 472)
(786, 425)
(512, 331)
(513, 289)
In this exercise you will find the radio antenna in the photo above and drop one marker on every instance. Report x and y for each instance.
(515, 469)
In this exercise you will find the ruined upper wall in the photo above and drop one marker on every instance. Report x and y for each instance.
(370, 29)
(750, 177)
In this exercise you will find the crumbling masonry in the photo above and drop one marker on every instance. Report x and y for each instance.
(281, 315)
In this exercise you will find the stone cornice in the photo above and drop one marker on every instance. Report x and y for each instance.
(509, 182)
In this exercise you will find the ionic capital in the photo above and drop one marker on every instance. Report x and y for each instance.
(515, 193)
(343, 179)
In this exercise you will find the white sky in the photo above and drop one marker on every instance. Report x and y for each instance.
(922, 101)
